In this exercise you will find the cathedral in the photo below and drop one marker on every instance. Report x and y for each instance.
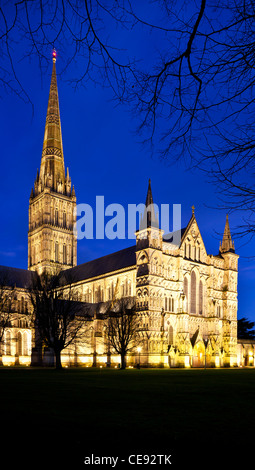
(186, 299)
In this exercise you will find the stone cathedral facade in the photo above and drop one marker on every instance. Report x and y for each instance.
(186, 299)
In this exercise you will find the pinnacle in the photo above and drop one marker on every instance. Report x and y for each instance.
(149, 217)
(227, 243)
(52, 163)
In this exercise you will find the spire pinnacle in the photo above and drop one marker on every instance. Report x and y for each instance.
(149, 217)
(227, 242)
(52, 171)
(149, 199)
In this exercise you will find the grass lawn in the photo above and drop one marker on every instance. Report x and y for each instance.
(59, 418)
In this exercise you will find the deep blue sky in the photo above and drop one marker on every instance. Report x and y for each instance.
(105, 158)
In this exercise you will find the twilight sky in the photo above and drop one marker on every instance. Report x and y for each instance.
(104, 157)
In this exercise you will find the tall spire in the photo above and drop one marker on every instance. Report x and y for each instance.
(52, 243)
(227, 243)
(149, 217)
(52, 171)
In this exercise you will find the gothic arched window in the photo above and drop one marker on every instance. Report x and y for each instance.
(64, 254)
(186, 292)
(201, 297)
(19, 344)
(22, 305)
(109, 292)
(170, 335)
(193, 293)
(218, 311)
(25, 344)
(99, 294)
(56, 252)
(155, 266)
(56, 217)
(7, 343)
(88, 296)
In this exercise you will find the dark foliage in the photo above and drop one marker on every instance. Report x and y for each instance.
(245, 329)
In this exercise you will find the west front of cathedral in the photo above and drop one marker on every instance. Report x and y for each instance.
(185, 298)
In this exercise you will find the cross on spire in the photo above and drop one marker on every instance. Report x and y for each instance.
(54, 55)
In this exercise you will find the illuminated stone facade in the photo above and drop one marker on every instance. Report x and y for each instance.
(186, 299)
(51, 240)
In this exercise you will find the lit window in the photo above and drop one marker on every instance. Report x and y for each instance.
(64, 254)
(19, 344)
(201, 298)
(56, 252)
(193, 292)
(7, 343)
(186, 291)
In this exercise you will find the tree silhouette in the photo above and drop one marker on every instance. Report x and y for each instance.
(6, 305)
(121, 327)
(245, 329)
(59, 318)
(192, 96)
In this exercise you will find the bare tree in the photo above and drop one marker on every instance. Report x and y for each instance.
(59, 318)
(6, 305)
(77, 29)
(196, 101)
(192, 97)
(122, 328)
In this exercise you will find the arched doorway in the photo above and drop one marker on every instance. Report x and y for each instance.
(198, 359)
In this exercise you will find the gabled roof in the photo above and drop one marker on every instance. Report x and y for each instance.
(21, 278)
(122, 259)
(188, 226)
(109, 263)
(186, 231)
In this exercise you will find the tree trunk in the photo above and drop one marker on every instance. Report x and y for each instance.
(123, 361)
(58, 360)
